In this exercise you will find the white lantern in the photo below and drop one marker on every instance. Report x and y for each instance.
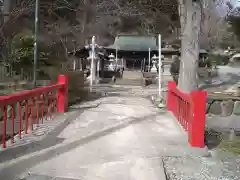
(154, 61)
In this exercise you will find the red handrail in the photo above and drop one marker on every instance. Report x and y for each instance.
(26, 94)
(33, 107)
(189, 110)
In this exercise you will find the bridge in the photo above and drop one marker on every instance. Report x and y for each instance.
(112, 137)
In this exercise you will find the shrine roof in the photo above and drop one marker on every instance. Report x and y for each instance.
(134, 43)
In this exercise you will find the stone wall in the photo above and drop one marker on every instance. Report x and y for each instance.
(223, 107)
(220, 106)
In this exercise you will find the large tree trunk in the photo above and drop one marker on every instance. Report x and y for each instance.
(190, 17)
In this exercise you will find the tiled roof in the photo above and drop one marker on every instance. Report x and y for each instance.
(134, 43)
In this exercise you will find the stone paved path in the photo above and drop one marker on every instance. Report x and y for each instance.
(112, 138)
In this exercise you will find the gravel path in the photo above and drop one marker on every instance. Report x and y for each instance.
(200, 168)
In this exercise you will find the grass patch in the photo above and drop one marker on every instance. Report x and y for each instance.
(230, 146)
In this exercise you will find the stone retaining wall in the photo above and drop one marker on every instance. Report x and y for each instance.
(223, 107)
(217, 106)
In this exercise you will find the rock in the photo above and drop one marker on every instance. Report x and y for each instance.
(218, 82)
(227, 107)
(215, 108)
(236, 109)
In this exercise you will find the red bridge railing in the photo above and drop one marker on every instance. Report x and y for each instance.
(23, 111)
(189, 110)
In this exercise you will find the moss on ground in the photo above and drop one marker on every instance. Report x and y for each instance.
(230, 146)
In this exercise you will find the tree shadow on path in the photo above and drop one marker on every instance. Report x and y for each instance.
(11, 172)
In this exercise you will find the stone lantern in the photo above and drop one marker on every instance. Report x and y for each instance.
(154, 61)
(111, 59)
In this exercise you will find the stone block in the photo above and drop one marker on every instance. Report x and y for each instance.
(214, 72)
(236, 109)
(209, 100)
(216, 108)
(207, 107)
(202, 72)
(166, 70)
(227, 107)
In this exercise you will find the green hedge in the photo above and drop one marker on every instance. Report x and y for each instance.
(76, 82)
(218, 59)
(77, 91)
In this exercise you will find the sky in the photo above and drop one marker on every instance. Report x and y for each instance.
(223, 8)
(237, 3)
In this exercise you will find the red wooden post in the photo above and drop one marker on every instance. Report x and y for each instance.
(170, 98)
(197, 122)
(4, 127)
(62, 101)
